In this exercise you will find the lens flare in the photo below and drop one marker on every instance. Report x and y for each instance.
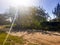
(20, 2)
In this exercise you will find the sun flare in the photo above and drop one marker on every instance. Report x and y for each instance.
(20, 2)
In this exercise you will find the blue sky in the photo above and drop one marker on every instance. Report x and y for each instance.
(48, 5)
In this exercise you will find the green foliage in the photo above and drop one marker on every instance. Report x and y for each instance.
(52, 26)
(30, 18)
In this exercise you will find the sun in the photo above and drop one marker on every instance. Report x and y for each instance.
(20, 2)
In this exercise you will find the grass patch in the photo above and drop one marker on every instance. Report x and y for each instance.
(11, 39)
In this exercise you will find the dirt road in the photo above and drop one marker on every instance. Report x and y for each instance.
(39, 38)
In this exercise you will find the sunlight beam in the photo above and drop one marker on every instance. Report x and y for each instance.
(10, 28)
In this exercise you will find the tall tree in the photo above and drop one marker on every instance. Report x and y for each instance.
(56, 11)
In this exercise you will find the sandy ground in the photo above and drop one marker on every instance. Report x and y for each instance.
(51, 38)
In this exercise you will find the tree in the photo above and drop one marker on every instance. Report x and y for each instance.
(40, 14)
(32, 17)
(56, 11)
(28, 17)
